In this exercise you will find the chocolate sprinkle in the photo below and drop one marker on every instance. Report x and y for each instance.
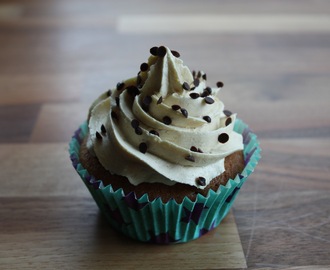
(176, 54)
(193, 148)
(167, 120)
(209, 100)
(194, 73)
(154, 132)
(98, 136)
(109, 93)
(161, 52)
(160, 100)
(176, 107)
(190, 158)
(138, 130)
(205, 93)
(120, 86)
(201, 181)
(208, 89)
(133, 90)
(228, 121)
(194, 95)
(143, 147)
(135, 123)
(196, 82)
(227, 112)
(144, 67)
(103, 130)
(184, 112)
(147, 100)
(186, 86)
(223, 138)
(204, 76)
(207, 118)
(154, 50)
(219, 84)
(199, 74)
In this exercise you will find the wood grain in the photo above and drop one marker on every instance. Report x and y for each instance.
(57, 57)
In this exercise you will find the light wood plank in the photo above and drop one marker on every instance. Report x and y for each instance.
(209, 23)
(30, 170)
(42, 88)
(69, 233)
(58, 122)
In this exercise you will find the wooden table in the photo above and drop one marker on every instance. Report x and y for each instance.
(274, 59)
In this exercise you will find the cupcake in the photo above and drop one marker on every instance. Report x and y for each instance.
(160, 155)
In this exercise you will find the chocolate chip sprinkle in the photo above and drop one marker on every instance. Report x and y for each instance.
(133, 90)
(154, 50)
(199, 74)
(196, 82)
(175, 107)
(154, 132)
(227, 112)
(193, 73)
(161, 52)
(109, 92)
(228, 121)
(160, 100)
(103, 130)
(194, 149)
(135, 123)
(138, 130)
(205, 93)
(209, 100)
(219, 84)
(147, 100)
(208, 89)
(144, 67)
(194, 95)
(204, 76)
(201, 181)
(207, 118)
(120, 86)
(223, 138)
(190, 158)
(98, 135)
(184, 112)
(167, 120)
(186, 86)
(176, 54)
(143, 147)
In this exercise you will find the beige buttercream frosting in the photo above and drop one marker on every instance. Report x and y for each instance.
(165, 125)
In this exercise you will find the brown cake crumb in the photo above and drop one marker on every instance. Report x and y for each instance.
(234, 164)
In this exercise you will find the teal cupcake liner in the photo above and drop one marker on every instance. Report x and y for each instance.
(170, 222)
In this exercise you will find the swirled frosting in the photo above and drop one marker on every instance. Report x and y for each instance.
(164, 125)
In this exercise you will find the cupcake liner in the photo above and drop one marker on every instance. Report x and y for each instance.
(170, 222)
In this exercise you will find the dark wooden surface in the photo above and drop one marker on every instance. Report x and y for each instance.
(274, 59)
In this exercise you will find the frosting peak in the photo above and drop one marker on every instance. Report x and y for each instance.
(166, 75)
(165, 125)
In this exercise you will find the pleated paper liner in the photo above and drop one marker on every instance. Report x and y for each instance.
(171, 222)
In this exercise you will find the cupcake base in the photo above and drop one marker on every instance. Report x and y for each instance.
(156, 221)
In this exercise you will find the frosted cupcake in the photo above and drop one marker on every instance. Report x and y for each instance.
(161, 156)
